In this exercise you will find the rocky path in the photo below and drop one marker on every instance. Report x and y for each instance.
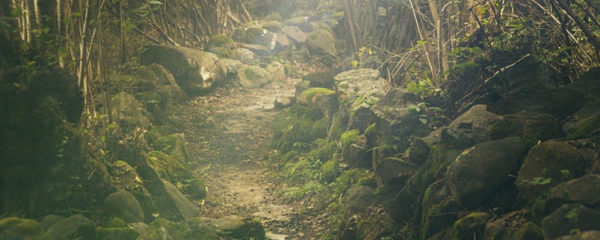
(229, 156)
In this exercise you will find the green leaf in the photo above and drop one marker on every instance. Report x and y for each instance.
(155, 2)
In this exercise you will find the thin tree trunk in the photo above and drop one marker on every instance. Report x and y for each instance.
(421, 38)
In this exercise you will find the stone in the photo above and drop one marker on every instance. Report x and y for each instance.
(294, 33)
(559, 102)
(439, 210)
(228, 68)
(584, 127)
(588, 235)
(235, 227)
(358, 199)
(117, 233)
(584, 190)
(283, 42)
(19, 228)
(321, 79)
(73, 227)
(252, 77)
(569, 218)
(194, 70)
(124, 205)
(531, 127)
(471, 226)
(301, 22)
(129, 111)
(474, 125)
(244, 55)
(255, 35)
(394, 170)
(482, 169)
(276, 72)
(321, 42)
(546, 165)
(170, 203)
(354, 150)
(50, 220)
(284, 102)
(271, 25)
(589, 83)
(529, 231)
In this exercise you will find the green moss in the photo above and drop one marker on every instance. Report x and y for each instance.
(20, 228)
(585, 128)
(529, 231)
(349, 178)
(220, 40)
(117, 233)
(350, 137)
(308, 94)
(471, 226)
(116, 222)
(438, 217)
(329, 170)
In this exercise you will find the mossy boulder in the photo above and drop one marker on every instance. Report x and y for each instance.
(124, 205)
(588, 235)
(174, 145)
(438, 217)
(294, 33)
(194, 70)
(276, 72)
(531, 127)
(357, 200)
(244, 55)
(547, 165)
(50, 220)
(329, 170)
(474, 125)
(117, 233)
(321, 42)
(19, 228)
(395, 169)
(129, 112)
(234, 227)
(569, 218)
(308, 96)
(471, 226)
(74, 227)
(354, 149)
(529, 231)
(584, 190)
(220, 40)
(252, 76)
(481, 170)
(584, 128)
(559, 102)
(169, 167)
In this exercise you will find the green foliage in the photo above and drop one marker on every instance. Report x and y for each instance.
(350, 137)
(422, 88)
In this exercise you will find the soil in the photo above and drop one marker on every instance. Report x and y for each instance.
(228, 153)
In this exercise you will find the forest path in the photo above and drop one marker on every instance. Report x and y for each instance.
(229, 158)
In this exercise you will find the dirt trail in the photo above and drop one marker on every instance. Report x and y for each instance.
(229, 158)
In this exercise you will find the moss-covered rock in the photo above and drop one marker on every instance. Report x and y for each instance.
(354, 149)
(547, 165)
(329, 170)
(117, 233)
(321, 42)
(583, 128)
(124, 205)
(569, 218)
(220, 40)
(584, 190)
(471, 226)
(531, 127)
(252, 76)
(129, 112)
(438, 217)
(74, 227)
(529, 231)
(19, 228)
(480, 171)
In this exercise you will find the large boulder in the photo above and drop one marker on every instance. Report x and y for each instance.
(129, 112)
(170, 203)
(276, 72)
(531, 127)
(194, 70)
(321, 42)
(253, 33)
(474, 125)
(294, 33)
(559, 102)
(471, 226)
(569, 218)
(244, 55)
(585, 122)
(74, 227)
(547, 165)
(584, 190)
(480, 171)
(394, 170)
(234, 227)
(361, 82)
(588, 235)
(19, 228)
(252, 76)
(124, 205)
(354, 149)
